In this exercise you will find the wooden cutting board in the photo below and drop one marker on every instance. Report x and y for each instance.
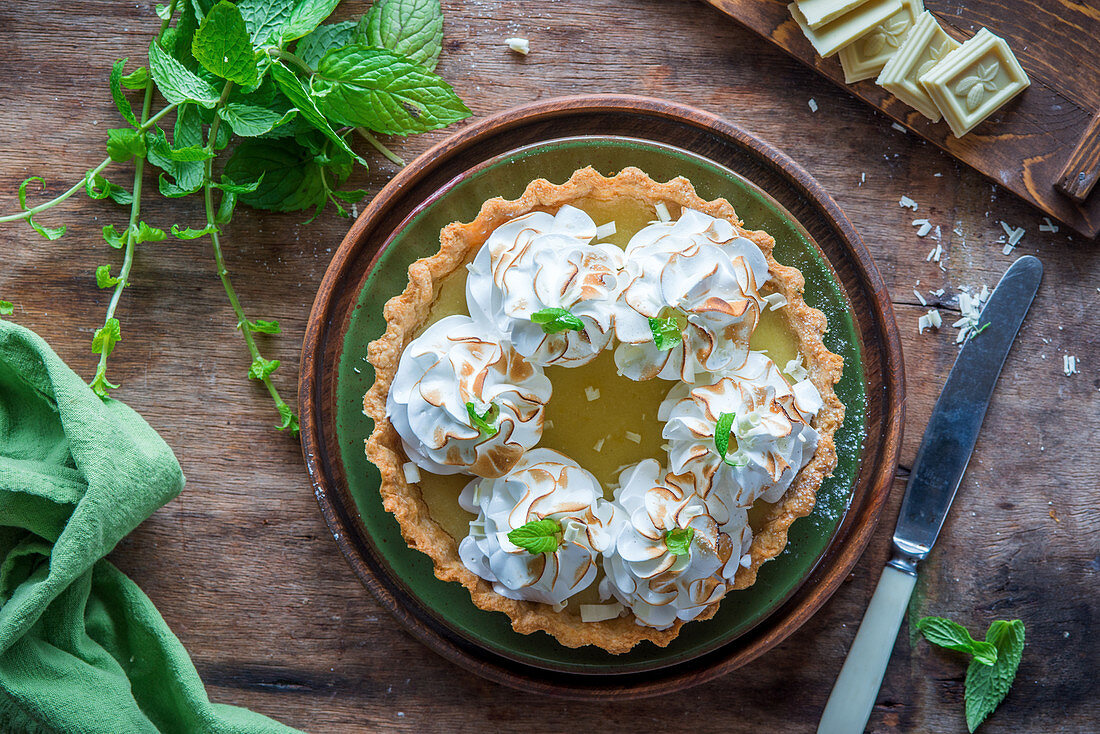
(1044, 145)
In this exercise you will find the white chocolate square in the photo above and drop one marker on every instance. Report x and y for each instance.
(923, 47)
(819, 12)
(974, 81)
(838, 33)
(864, 58)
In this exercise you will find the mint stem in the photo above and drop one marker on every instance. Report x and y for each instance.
(379, 146)
(130, 243)
(292, 58)
(94, 172)
(219, 259)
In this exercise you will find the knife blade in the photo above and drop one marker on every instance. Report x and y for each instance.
(937, 472)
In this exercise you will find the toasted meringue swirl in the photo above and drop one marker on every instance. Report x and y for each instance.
(700, 271)
(539, 261)
(770, 440)
(543, 485)
(642, 572)
(454, 363)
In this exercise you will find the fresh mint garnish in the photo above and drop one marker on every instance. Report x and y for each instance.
(666, 332)
(722, 430)
(264, 81)
(537, 536)
(678, 541)
(993, 666)
(485, 422)
(554, 320)
(7, 308)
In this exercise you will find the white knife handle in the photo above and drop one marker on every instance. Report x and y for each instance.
(857, 686)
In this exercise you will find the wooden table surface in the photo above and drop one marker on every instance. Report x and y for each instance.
(246, 573)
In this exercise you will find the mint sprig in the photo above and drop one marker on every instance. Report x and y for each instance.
(265, 81)
(555, 320)
(7, 308)
(993, 666)
(537, 536)
(678, 541)
(666, 332)
(485, 422)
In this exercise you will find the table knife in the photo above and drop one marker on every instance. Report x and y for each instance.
(939, 467)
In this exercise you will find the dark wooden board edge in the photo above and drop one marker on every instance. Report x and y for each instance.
(317, 389)
(1024, 147)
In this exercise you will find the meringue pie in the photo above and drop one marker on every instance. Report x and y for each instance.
(600, 407)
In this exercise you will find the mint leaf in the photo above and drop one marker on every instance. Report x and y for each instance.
(23, 189)
(384, 91)
(144, 233)
(678, 541)
(485, 422)
(98, 187)
(112, 237)
(225, 208)
(554, 320)
(537, 536)
(291, 181)
(103, 277)
(137, 79)
(290, 421)
(262, 368)
(106, 337)
(50, 233)
(302, 98)
(313, 47)
(100, 385)
(124, 107)
(189, 154)
(666, 332)
(233, 187)
(250, 121)
(987, 685)
(7, 308)
(306, 15)
(259, 326)
(722, 433)
(410, 27)
(188, 175)
(222, 45)
(186, 233)
(265, 19)
(125, 143)
(176, 82)
(953, 636)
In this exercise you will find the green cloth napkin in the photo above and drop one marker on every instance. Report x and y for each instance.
(82, 649)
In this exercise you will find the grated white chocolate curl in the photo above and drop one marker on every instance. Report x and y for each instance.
(519, 45)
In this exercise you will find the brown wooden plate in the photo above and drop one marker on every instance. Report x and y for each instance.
(336, 467)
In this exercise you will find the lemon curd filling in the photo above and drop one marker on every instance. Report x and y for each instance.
(601, 420)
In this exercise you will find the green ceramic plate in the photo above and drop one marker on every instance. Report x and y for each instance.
(507, 175)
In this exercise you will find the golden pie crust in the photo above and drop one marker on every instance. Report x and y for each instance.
(406, 313)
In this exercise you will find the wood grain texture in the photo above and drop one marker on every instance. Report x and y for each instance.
(1082, 168)
(242, 566)
(1025, 145)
